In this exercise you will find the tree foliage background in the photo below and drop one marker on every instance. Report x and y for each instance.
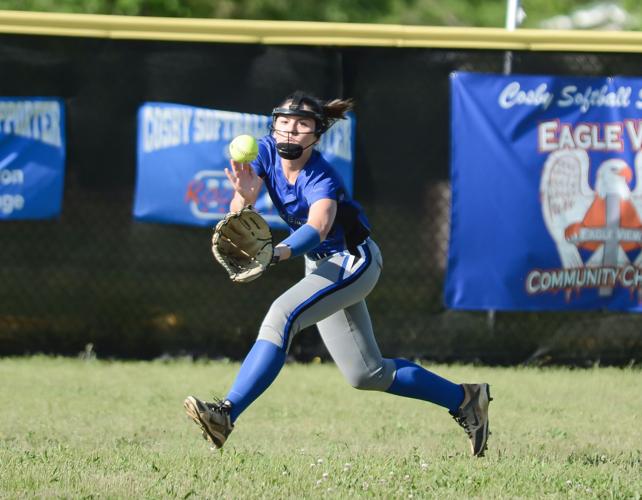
(483, 13)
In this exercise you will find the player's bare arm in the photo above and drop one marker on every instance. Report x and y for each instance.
(321, 217)
(246, 184)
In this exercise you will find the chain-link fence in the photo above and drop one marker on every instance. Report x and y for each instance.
(141, 290)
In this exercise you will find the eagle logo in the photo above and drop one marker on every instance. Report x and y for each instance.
(605, 222)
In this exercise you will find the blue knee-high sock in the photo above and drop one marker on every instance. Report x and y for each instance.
(259, 369)
(413, 381)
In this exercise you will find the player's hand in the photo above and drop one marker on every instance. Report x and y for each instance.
(244, 180)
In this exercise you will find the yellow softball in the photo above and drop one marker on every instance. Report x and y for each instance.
(244, 148)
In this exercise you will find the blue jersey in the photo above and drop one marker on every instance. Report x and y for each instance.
(317, 180)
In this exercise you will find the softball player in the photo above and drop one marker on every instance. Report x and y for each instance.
(342, 265)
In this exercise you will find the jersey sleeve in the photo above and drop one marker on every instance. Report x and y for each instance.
(323, 186)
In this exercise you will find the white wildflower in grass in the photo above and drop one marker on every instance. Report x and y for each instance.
(319, 460)
(406, 477)
(318, 482)
(313, 465)
(325, 475)
(424, 465)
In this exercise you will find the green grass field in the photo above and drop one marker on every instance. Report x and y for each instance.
(79, 429)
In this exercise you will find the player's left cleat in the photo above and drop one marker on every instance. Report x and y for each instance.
(472, 415)
(213, 419)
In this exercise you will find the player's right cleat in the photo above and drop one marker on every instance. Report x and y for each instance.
(472, 415)
(213, 418)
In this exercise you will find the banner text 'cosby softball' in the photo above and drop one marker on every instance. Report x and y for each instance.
(182, 152)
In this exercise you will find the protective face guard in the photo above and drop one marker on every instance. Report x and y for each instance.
(298, 111)
(296, 108)
(289, 150)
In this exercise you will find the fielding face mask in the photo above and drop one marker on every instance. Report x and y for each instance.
(290, 150)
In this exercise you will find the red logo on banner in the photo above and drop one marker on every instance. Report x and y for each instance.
(604, 221)
(209, 194)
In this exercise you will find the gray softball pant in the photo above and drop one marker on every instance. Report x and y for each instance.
(332, 296)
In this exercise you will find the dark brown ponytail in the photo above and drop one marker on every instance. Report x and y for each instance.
(336, 109)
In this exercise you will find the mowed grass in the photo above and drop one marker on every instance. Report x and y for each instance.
(73, 428)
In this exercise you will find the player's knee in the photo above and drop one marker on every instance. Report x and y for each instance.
(377, 380)
(363, 382)
(276, 326)
(277, 316)
(366, 381)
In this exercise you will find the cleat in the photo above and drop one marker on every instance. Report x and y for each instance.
(213, 419)
(472, 415)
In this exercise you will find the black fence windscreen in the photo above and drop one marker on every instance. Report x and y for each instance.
(143, 290)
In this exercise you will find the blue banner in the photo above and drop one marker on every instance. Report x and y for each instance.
(32, 157)
(546, 193)
(182, 151)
